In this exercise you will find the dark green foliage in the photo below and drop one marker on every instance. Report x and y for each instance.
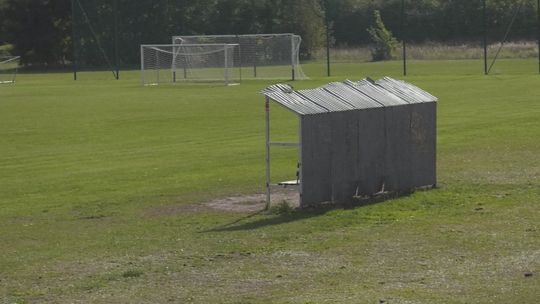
(282, 208)
(40, 30)
(384, 42)
(132, 273)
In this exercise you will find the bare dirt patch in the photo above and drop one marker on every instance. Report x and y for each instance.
(248, 203)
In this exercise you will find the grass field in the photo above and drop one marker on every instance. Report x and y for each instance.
(100, 182)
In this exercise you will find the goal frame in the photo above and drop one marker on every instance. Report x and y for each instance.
(226, 68)
(295, 50)
(6, 60)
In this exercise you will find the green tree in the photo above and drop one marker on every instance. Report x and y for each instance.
(38, 31)
(384, 42)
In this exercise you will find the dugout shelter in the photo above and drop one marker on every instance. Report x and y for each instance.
(357, 139)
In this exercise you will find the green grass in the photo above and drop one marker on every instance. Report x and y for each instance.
(94, 175)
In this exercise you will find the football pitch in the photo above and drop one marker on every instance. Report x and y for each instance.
(104, 187)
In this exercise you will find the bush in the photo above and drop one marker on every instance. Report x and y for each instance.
(385, 44)
(282, 208)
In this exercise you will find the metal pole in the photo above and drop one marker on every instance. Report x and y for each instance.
(327, 21)
(292, 57)
(142, 65)
(267, 132)
(485, 37)
(115, 8)
(226, 65)
(538, 14)
(403, 34)
(73, 41)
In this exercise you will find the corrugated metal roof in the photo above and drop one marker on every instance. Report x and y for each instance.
(406, 91)
(348, 95)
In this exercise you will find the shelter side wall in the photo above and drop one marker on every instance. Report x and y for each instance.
(371, 150)
(423, 144)
(345, 157)
(398, 168)
(316, 156)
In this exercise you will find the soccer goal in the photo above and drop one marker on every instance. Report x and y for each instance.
(170, 63)
(9, 66)
(265, 56)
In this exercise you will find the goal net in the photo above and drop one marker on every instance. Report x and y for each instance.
(170, 63)
(265, 56)
(9, 66)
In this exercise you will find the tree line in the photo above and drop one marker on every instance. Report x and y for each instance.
(41, 30)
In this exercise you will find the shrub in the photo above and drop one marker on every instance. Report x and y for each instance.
(282, 208)
(384, 42)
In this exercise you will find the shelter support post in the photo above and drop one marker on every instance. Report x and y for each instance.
(267, 132)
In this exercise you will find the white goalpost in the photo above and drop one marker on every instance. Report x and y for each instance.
(170, 63)
(265, 56)
(9, 65)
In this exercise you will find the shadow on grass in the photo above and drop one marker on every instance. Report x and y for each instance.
(271, 220)
(301, 214)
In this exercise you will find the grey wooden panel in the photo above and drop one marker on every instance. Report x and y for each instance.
(316, 167)
(398, 149)
(423, 144)
(371, 150)
(345, 158)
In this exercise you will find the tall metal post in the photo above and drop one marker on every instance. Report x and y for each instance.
(538, 15)
(73, 41)
(293, 48)
(226, 64)
(485, 36)
(142, 65)
(327, 22)
(403, 37)
(116, 63)
(267, 149)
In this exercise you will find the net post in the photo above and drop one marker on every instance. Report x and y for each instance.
(240, 56)
(327, 25)
(255, 64)
(185, 66)
(226, 64)
(292, 58)
(115, 9)
(173, 65)
(142, 65)
(158, 67)
(73, 41)
(403, 34)
(267, 149)
(484, 17)
(538, 21)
